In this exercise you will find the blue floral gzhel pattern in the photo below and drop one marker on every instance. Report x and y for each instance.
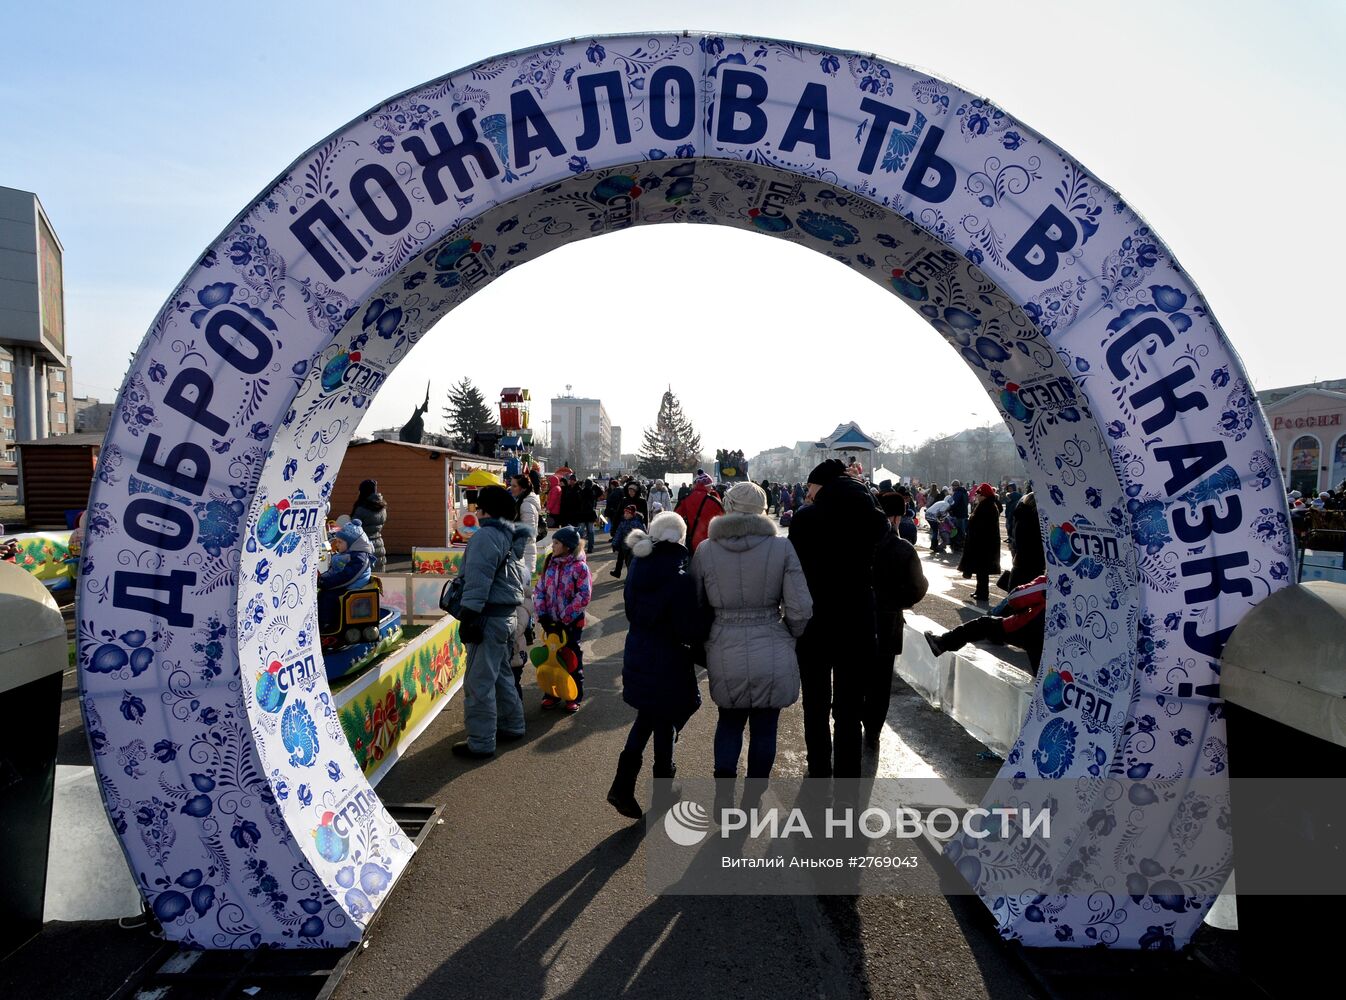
(226, 795)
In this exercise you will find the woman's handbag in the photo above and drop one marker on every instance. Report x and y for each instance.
(451, 597)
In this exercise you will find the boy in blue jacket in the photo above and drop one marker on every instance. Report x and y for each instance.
(630, 521)
(351, 567)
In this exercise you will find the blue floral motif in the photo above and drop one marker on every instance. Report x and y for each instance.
(1148, 645)
(1263, 469)
(133, 708)
(1011, 140)
(1272, 527)
(166, 751)
(1220, 377)
(578, 164)
(299, 734)
(712, 46)
(1240, 411)
(828, 228)
(830, 64)
(595, 53)
(245, 834)
(1149, 525)
(1056, 748)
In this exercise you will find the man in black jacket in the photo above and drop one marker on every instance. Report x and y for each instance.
(835, 536)
(899, 584)
(958, 510)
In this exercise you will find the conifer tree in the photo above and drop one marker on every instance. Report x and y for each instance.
(672, 444)
(466, 414)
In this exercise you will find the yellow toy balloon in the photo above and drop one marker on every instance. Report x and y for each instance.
(552, 677)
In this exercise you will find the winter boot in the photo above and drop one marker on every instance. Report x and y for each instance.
(666, 790)
(724, 794)
(622, 794)
(753, 790)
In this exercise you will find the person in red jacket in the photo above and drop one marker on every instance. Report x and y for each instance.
(1024, 626)
(698, 509)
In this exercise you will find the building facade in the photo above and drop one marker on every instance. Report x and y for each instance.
(91, 416)
(1308, 424)
(57, 409)
(581, 434)
(36, 390)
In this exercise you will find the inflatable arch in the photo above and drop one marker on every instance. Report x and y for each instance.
(222, 763)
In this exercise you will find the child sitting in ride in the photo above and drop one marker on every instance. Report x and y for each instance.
(351, 567)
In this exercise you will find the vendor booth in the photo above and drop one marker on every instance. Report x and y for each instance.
(420, 483)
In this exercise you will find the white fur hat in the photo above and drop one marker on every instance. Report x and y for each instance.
(665, 527)
(745, 498)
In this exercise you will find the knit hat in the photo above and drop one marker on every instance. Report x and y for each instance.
(567, 536)
(353, 534)
(368, 487)
(656, 508)
(745, 498)
(496, 501)
(985, 490)
(629, 509)
(703, 480)
(824, 472)
(955, 485)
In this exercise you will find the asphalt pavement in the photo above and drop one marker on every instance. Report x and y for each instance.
(534, 887)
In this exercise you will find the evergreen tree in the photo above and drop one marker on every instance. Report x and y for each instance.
(672, 444)
(466, 414)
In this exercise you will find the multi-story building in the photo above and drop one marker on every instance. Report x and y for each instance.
(614, 458)
(1308, 425)
(58, 411)
(91, 416)
(581, 434)
(36, 390)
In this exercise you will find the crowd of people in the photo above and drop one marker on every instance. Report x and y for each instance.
(812, 615)
(817, 615)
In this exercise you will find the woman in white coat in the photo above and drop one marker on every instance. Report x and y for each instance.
(660, 495)
(750, 580)
(529, 515)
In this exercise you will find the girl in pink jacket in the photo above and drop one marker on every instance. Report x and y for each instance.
(559, 599)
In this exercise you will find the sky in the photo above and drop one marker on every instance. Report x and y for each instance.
(145, 127)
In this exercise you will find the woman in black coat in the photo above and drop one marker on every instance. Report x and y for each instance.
(371, 510)
(658, 675)
(981, 552)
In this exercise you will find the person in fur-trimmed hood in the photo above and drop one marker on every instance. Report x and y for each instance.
(658, 675)
(751, 580)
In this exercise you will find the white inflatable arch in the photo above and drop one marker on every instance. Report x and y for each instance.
(241, 809)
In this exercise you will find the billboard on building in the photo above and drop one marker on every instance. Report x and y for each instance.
(51, 289)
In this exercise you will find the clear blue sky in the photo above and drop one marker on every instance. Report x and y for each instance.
(145, 127)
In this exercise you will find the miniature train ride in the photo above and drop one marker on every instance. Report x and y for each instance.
(355, 629)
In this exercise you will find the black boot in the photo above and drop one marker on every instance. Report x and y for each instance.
(724, 794)
(622, 794)
(666, 790)
(753, 789)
